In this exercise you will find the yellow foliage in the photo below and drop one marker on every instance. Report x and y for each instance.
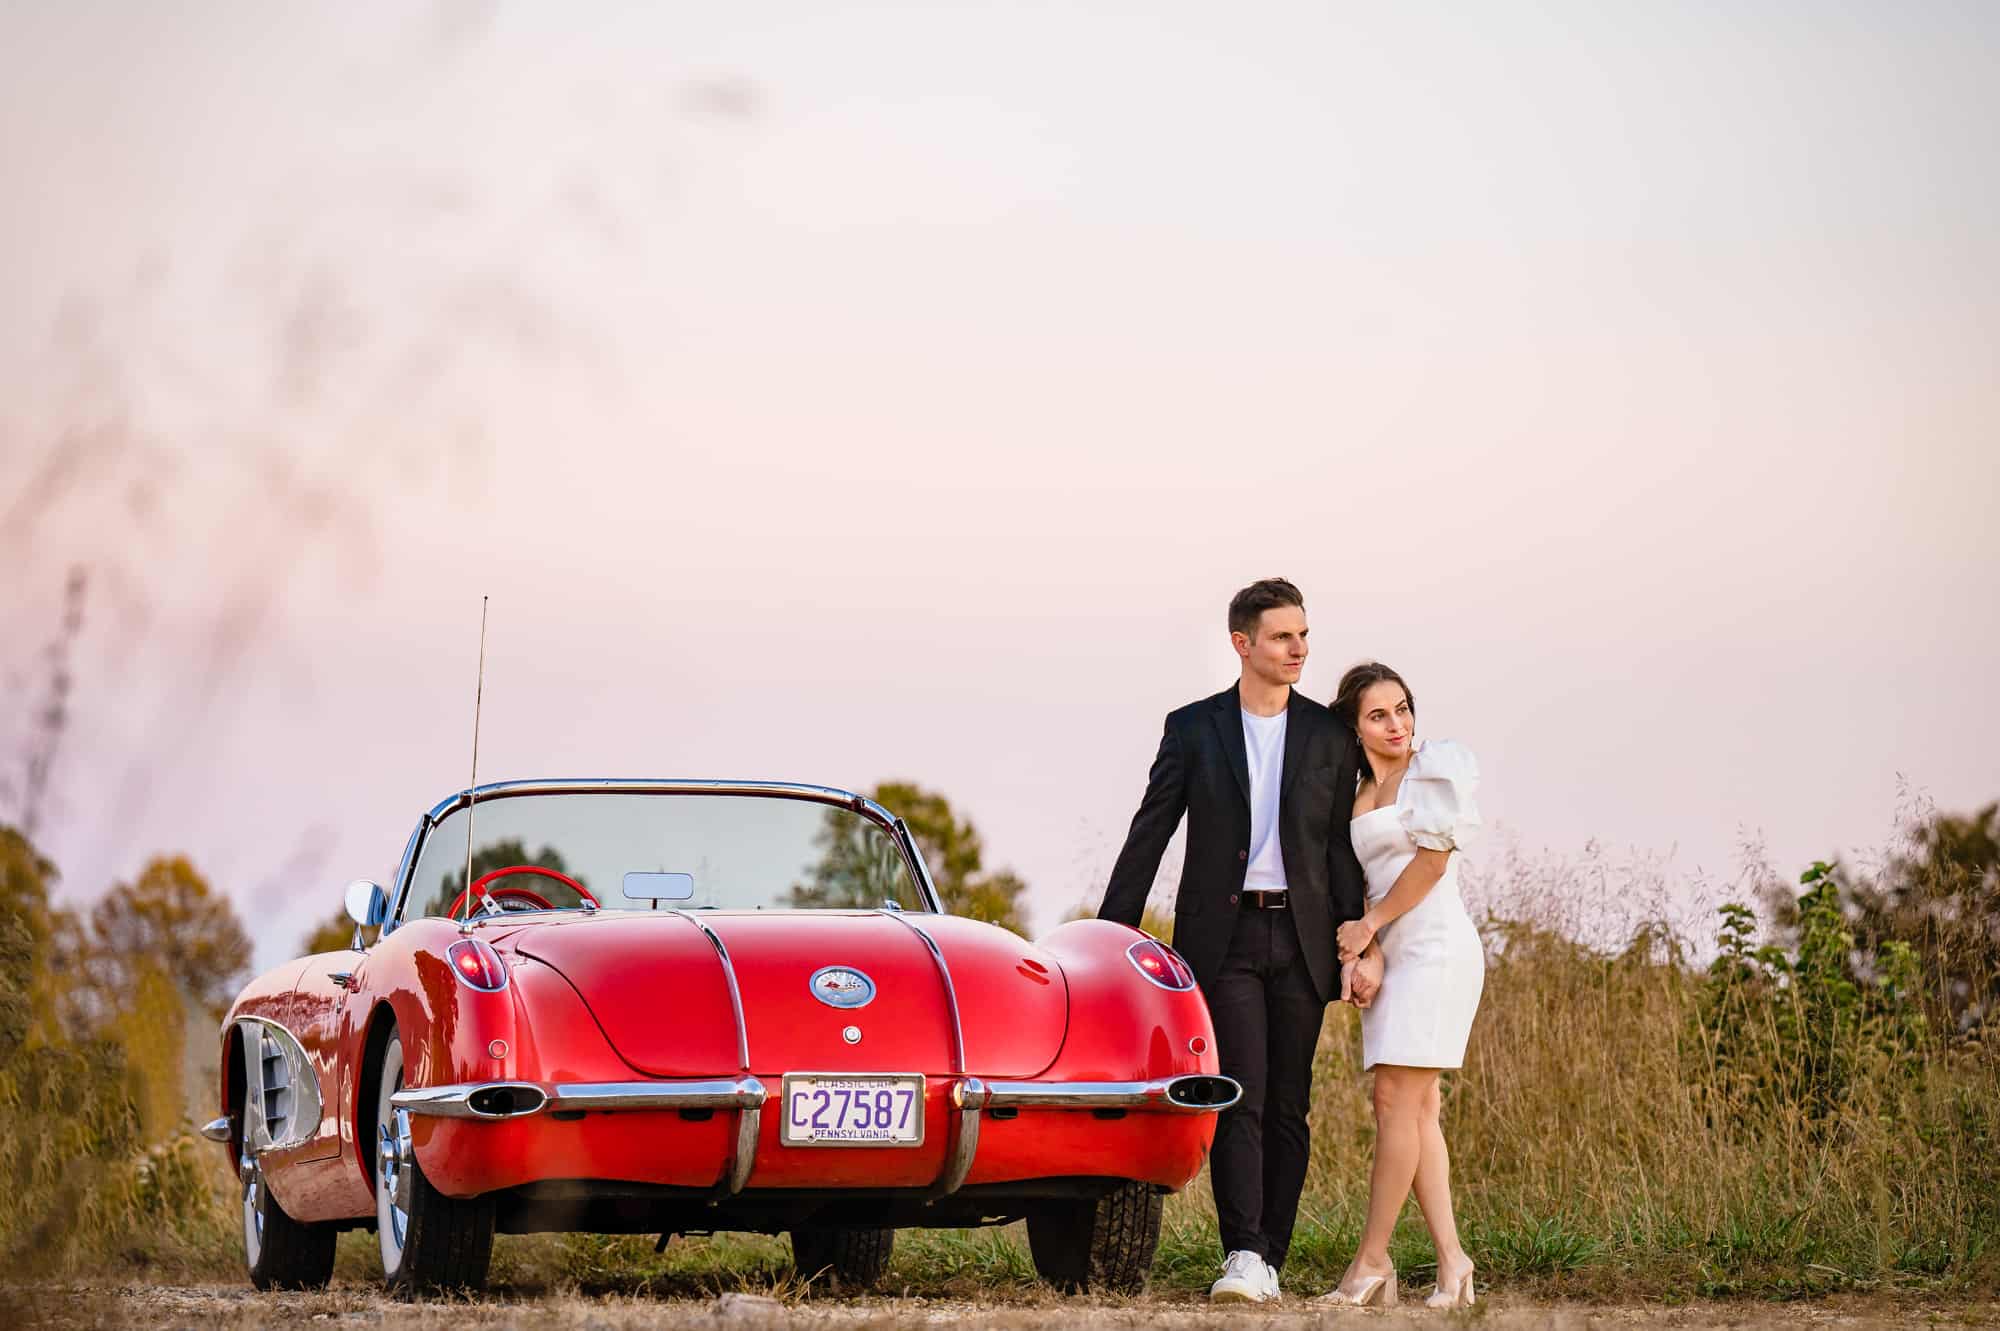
(152, 1028)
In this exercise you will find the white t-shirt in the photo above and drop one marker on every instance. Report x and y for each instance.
(1264, 745)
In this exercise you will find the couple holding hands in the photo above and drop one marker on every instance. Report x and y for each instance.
(1319, 868)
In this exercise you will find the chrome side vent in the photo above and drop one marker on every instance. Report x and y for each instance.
(281, 1099)
(279, 1102)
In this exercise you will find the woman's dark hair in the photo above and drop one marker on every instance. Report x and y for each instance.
(1358, 680)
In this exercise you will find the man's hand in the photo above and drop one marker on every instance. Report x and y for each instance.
(1361, 979)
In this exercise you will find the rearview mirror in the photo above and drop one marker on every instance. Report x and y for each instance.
(367, 903)
(659, 886)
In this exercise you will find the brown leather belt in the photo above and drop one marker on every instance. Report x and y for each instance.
(1267, 900)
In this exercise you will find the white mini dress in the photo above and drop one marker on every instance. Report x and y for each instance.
(1433, 965)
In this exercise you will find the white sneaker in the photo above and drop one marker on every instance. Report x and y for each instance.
(1271, 1290)
(1245, 1279)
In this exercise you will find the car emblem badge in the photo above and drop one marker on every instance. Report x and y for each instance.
(841, 987)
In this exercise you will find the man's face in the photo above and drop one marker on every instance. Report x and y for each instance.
(1276, 651)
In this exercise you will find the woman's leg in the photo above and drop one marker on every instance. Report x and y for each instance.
(1433, 1189)
(1399, 1104)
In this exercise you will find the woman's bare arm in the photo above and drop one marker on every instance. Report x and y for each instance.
(1412, 885)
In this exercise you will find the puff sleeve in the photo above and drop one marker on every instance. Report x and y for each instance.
(1435, 803)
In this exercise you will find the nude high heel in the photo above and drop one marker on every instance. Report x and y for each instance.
(1459, 1295)
(1371, 1291)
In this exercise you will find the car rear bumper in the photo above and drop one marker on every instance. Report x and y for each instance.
(959, 1105)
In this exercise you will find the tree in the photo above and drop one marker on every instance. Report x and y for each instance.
(859, 867)
(25, 1001)
(501, 855)
(169, 918)
(954, 853)
(334, 934)
(853, 873)
(1942, 899)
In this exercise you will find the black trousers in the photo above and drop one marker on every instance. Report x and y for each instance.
(1267, 1018)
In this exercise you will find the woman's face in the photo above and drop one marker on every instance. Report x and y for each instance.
(1385, 723)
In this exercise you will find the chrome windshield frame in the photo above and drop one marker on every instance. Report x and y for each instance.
(913, 856)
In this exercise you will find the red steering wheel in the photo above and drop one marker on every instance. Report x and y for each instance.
(528, 898)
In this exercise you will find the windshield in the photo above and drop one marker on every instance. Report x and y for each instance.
(666, 851)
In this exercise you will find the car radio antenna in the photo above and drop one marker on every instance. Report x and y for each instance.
(472, 788)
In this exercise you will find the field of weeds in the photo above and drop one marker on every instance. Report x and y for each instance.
(1800, 1106)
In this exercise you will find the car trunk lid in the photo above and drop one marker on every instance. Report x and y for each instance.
(825, 991)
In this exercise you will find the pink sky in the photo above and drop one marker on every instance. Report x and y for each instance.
(902, 393)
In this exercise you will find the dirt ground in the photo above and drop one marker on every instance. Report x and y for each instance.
(238, 1308)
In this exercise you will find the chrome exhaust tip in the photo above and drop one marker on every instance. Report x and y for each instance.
(1204, 1091)
(506, 1100)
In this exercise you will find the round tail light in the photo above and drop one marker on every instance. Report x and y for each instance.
(1160, 964)
(476, 963)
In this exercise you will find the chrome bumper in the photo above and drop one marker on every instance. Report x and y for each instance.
(493, 1100)
(513, 1099)
(1197, 1094)
(496, 1100)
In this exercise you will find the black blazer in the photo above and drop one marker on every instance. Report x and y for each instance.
(1203, 770)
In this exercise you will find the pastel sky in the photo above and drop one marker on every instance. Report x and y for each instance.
(848, 392)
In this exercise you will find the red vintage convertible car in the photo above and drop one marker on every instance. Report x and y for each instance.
(684, 1007)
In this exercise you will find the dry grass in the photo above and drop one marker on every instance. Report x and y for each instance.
(1602, 1151)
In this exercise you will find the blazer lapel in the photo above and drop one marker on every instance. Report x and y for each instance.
(1228, 716)
(1295, 743)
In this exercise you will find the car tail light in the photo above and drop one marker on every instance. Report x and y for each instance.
(477, 964)
(1160, 964)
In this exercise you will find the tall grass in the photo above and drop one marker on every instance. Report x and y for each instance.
(1672, 1116)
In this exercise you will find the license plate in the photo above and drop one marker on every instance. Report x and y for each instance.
(853, 1109)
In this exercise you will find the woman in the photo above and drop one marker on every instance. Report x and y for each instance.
(1412, 809)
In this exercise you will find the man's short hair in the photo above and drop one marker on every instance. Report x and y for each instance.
(1249, 605)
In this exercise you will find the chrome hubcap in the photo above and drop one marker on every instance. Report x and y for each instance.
(393, 1157)
(253, 1209)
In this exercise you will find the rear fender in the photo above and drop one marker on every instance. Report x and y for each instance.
(1124, 1027)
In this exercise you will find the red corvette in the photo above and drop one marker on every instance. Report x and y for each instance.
(683, 1007)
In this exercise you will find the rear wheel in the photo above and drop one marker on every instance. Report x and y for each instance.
(281, 1252)
(845, 1259)
(1105, 1245)
(429, 1240)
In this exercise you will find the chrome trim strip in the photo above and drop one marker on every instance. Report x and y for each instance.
(749, 1118)
(913, 858)
(1156, 1096)
(965, 1140)
(732, 1093)
(455, 1101)
(217, 1129)
(735, 994)
(405, 867)
(950, 991)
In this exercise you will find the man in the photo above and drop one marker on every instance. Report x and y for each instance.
(1266, 777)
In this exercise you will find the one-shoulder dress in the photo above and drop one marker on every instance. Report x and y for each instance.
(1433, 965)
